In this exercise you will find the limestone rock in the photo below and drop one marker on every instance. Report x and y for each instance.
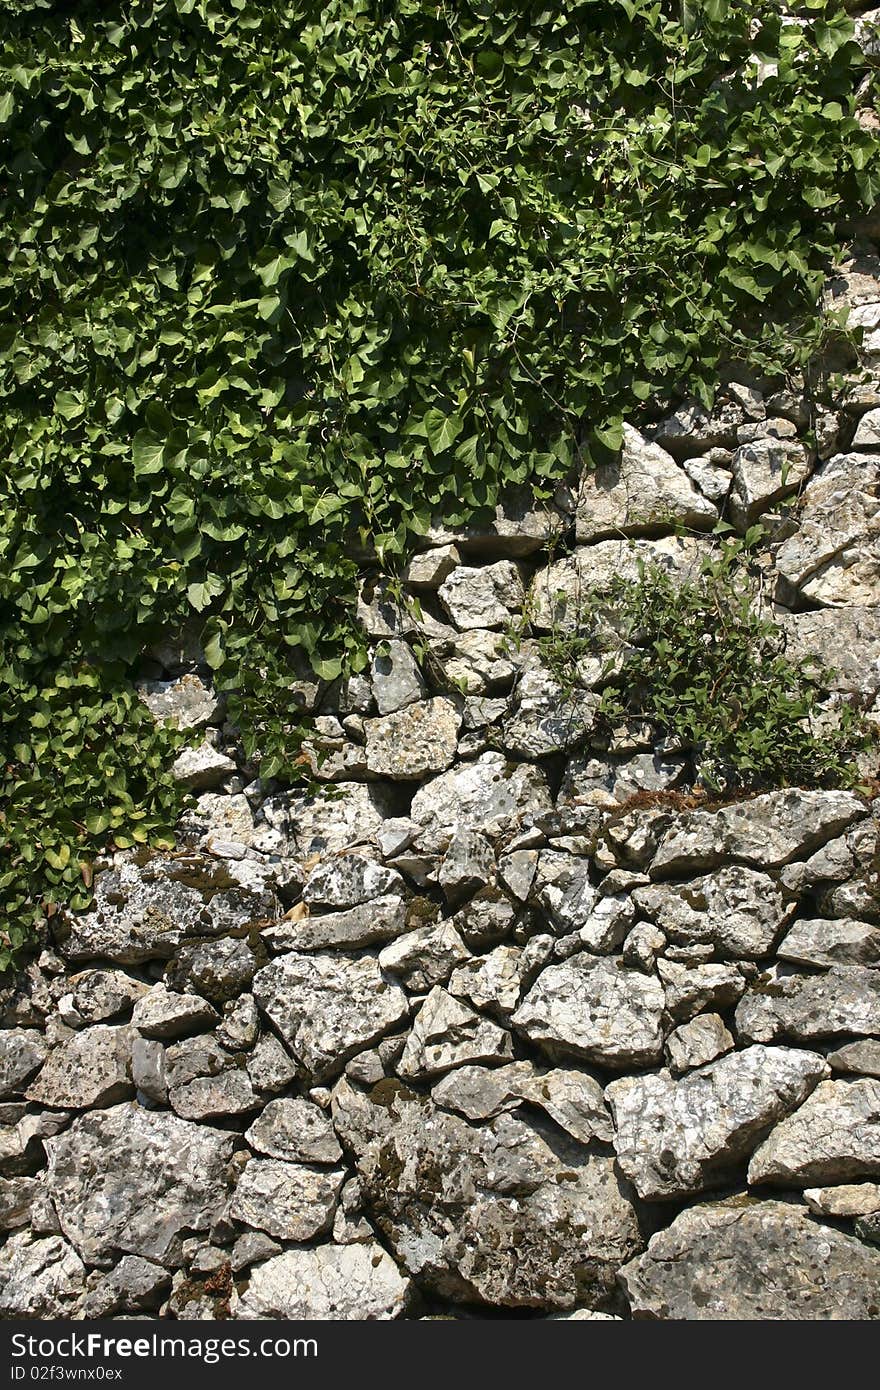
(214, 1097)
(22, 1053)
(735, 1261)
(846, 999)
(490, 1213)
(200, 769)
(350, 880)
(862, 1057)
(286, 1200)
(187, 702)
(39, 1278)
(833, 558)
(593, 1007)
(695, 1043)
(847, 1201)
(417, 740)
(694, 429)
(547, 720)
(486, 794)
(492, 982)
(166, 1015)
(484, 597)
(424, 957)
(834, 1137)
(677, 1137)
(343, 1283)
(692, 988)
(129, 1181)
(91, 1068)
(324, 824)
(641, 491)
(380, 919)
(836, 941)
(740, 911)
(467, 865)
(571, 1098)
(429, 569)
(763, 472)
(269, 1066)
(294, 1130)
(98, 995)
(558, 592)
(447, 1034)
(844, 641)
(765, 832)
(328, 1007)
(134, 1286)
(395, 677)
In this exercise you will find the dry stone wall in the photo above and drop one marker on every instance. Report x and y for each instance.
(478, 1024)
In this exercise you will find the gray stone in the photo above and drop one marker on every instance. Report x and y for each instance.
(294, 1130)
(835, 941)
(213, 1097)
(134, 1286)
(187, 702)
(251, 1248)
(738, 910)
(489, 794)
(844, 641)
(328, 1007)
(765, 832)
(447, 1034)
(610, 781)
(492, 982)
(571, 1098)
(22, 1052)
(269, 1066)
(832, 559)
(763, 472)
(39, 1278)
(833, 1137)
(692, 988)
(694, 429)
(286, 1200)
(558, 592)
(846, 999)
(91, 1068)
(148, 1070)
(219, 970)
(395, 677)
(740, 1261)
(695, 1043)
(416, 741)
(129, 1181)
(194, 1057)
(490, 1213)
(201, 769)
(17, 1195)
(424, 957)
(676, 1137)
(241, 1024)
(484, 597)
(166, 1015)
(327, 824)
(847, 1201)
(594, 1007)
(861, 1057)
(223, 825)
(467, 865)
(380, 919)
(488, 918)
(344, 1283)
(102, 994)
(349, 881)
(546, 719)
(641, 491)
(428, 570)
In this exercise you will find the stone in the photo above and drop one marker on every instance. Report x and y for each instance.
(187, 702)
(558, 592)
(327, 1007)
(22, 1052)
(286, 1200)
(148, 1070)
(842, 641)
(21, 1150)
(129, 1181)
(213, 1097)
(201, 769)
(380, 919)
(488, 918)
(447, 1034)
(563, 887)
(740, 1261)
(493, 1213)
(546, 719)
(571, 1098)
(867, 435)
(765, 832)
(251, 1248)
(843, 1000)
(325, 824)
(91, 1068)
(643, 490)
(675, 1137)
(837, 941)
(350, 880)
(489, 794)
(711, 475)
(166, 1015)
(40, 1278)
(429, 569)
(98, 995)
(223, 825)
(692, 988)
(739, 911)
(294, 1130)
(610, 781)
(344, 1283)
(17, 1196)
(241, 1024)
(516, 872)
(694, 429)
(695, 1043)
(848, 1200)
(218, 970)
(483, 597)
(593, 1007)
(416, 741)
(145, 912)
(833, 1137)
(467, 865)
(477, 661)
(862, 1057)
(134, 1286)
(424, 957)
(194, 1057)
(395, 677)
(269, 1066)
(492, 982)
(642, 946)
(832, 559)
(764, 471)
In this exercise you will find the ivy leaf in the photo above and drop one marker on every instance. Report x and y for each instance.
(441, 430)
(147, 453)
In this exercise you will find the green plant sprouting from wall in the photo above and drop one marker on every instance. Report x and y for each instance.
(285, 276)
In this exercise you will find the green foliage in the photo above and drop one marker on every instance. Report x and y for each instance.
(281, 277)
(702, 663)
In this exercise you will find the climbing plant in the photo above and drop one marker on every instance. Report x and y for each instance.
(283, 277)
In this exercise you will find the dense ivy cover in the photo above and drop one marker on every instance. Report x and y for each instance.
(280, 275)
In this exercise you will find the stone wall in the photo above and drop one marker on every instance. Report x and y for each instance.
(500, 1019)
